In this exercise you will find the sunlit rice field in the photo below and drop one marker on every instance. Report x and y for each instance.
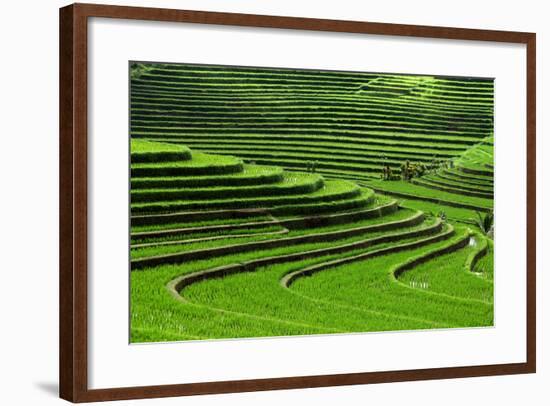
(275, 202)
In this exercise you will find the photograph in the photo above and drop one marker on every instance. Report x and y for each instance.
(268, 203)
(277, 201)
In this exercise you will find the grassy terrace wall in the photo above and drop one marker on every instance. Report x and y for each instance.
(350, 123)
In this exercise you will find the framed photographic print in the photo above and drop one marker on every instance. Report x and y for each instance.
(255, 202)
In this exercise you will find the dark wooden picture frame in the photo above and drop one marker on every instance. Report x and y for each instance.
(74, 200)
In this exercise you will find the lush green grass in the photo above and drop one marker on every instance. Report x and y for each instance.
(454, 189)
(458, 183)
(183, 240)
(422, 191)
(222, 110)
(452, 213)
(448, 275)
(250, 175)
(153, 303)
(292, 183)
(204, 223)
(309, 139)
(240, 305)
(199, 160)
(348, 148)
(485, 267)
(368, 285)
(331, 190)
(148, 151)
(170, 249)
(138, 146)
(343, 245)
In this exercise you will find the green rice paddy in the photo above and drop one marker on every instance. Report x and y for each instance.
(259, 205)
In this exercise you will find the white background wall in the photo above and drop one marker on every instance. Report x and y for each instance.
(29, 193)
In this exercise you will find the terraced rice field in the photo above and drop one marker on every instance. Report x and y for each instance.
(258, 207)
